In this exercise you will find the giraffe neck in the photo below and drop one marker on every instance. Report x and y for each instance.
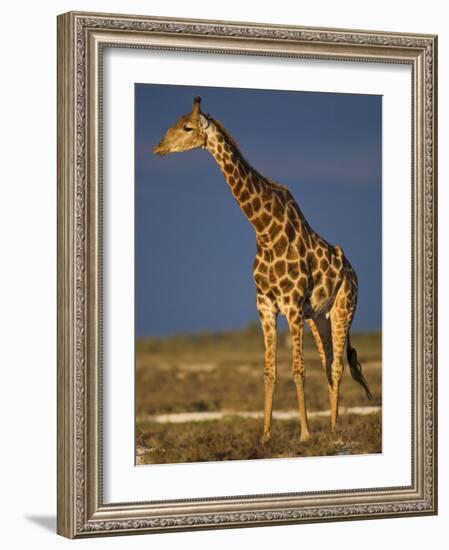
(249, 188)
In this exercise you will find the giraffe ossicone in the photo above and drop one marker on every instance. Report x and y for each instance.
(296, 272)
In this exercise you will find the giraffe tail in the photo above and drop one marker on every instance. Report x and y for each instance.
(356, 368)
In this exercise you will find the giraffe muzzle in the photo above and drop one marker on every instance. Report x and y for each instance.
(159, 150)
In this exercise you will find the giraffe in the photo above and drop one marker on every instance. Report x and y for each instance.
(296, 272)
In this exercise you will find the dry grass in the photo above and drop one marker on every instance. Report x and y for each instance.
(236, 438)
(225, 372)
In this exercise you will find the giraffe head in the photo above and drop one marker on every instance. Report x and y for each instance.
(188, 132)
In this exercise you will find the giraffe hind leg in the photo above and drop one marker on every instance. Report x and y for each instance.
(340, 324)
(341, 314)
(322, 334)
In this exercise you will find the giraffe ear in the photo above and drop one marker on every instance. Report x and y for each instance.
(204, 121)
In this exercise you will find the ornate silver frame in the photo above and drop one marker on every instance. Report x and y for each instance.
(81, 38)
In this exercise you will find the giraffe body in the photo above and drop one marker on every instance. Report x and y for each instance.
(296, 272)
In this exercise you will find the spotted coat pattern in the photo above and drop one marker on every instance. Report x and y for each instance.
(296, 272)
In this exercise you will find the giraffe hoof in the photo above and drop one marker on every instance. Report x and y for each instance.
(304, 437)
(265, 438)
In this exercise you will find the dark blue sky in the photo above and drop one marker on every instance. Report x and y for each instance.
(194, 247)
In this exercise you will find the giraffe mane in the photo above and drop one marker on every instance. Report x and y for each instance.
(232, 141)
(225, 132)
(277, 185)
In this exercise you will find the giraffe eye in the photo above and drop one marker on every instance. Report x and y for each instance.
(188, 128)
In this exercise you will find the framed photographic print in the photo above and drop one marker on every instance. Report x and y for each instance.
(246, 274)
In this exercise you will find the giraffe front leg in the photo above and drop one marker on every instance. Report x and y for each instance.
(296, 326)
(268, 317)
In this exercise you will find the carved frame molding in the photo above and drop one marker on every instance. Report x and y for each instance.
(81, 39)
